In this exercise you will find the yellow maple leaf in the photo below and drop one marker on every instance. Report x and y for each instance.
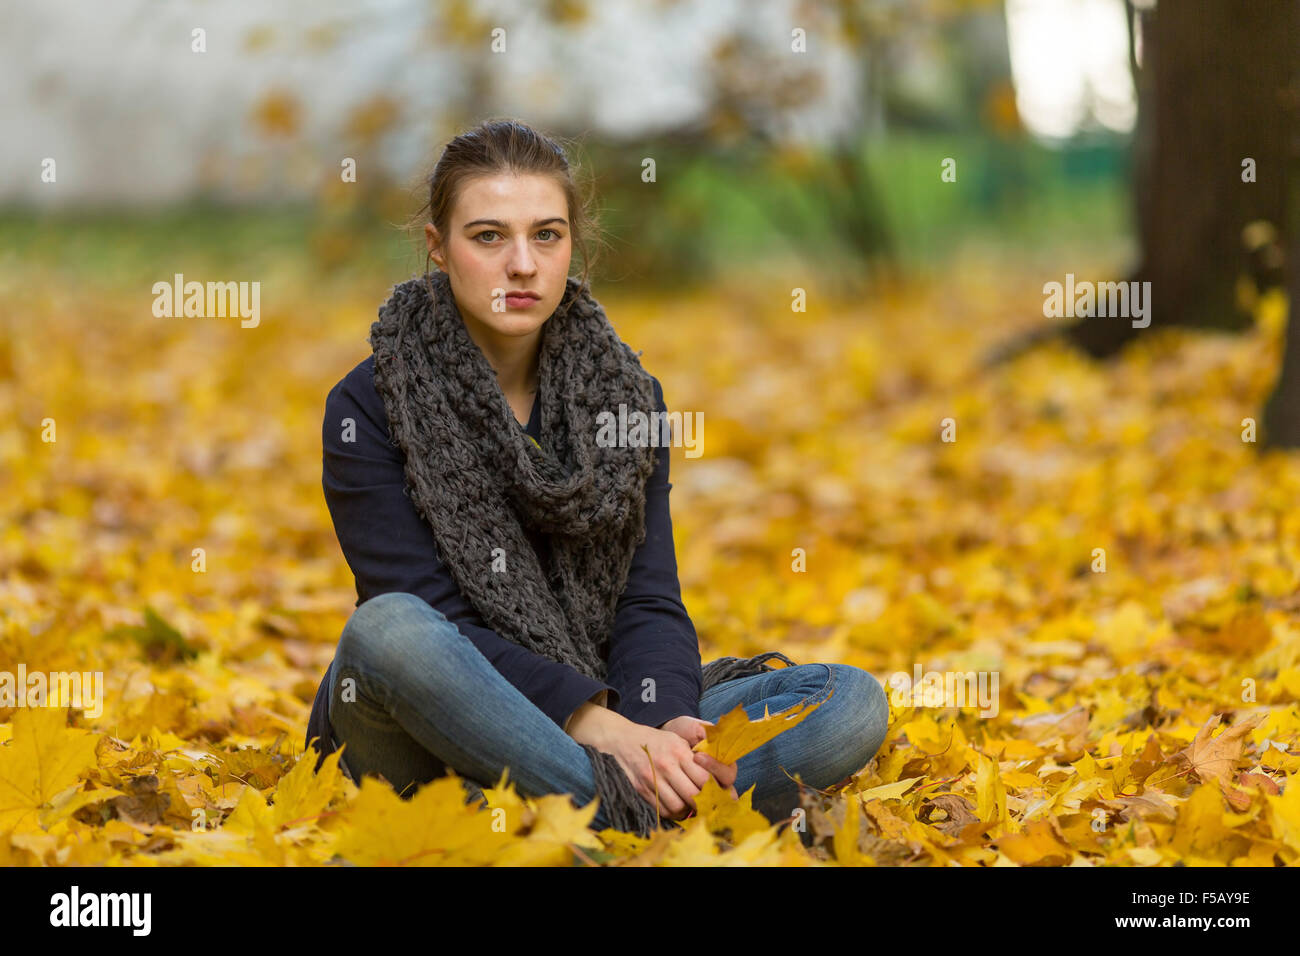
(622, 843)
(735, 735)
(1042, 844)
(433, 828)
(557, 828)
(73, 799)
(888, 791)
(889, 824)
(694, 847)
(508, 807)
(1200, 825)
(44, 758)
(1284, 811)
(736, 819)
(991, 794)
(771, 847)
(302, 793)
(255, 821)
(844, 842)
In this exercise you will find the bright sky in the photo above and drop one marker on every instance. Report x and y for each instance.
(1069, 62)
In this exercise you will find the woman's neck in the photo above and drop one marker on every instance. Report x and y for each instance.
(513, 358)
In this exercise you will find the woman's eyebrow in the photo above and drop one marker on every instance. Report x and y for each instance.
(501, 225)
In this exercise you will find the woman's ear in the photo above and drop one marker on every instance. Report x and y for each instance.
(431, 239)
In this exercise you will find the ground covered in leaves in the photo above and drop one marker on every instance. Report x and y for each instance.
(174, 537)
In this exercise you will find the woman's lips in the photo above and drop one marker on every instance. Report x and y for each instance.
(520, 301)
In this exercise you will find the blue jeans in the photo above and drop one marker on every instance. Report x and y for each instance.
(427, 700)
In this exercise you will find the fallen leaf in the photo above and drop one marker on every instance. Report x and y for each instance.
(1213, 758)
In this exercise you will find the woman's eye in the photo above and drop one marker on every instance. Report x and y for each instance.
(493, 232)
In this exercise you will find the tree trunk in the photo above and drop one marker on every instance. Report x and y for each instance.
(1210, 96)
(1281, 418)
(1281, 422)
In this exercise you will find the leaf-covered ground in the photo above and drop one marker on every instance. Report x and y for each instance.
(1146, 714)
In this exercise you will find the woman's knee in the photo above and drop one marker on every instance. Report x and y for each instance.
(863, 715)
(389, 627)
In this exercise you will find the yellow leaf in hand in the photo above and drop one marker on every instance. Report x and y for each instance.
(735, 735)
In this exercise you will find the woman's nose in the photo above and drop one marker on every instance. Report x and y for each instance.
(521, 260)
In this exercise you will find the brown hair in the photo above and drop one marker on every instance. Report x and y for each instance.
(507, 145)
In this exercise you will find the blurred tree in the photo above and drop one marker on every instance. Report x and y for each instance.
(1218, 91)
(764, 103)
(1211, 97)
(1281, 419)
(835, 216)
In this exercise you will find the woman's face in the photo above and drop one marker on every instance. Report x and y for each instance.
(508, 233)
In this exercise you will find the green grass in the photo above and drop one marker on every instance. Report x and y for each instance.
(704, 214)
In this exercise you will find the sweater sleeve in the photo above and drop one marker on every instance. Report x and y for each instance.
(389, 547)
(654, 656)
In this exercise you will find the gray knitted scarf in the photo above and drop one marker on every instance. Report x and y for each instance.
(477, 478)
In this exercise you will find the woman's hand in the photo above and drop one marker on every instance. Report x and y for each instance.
(661, 766)
(666, 771)
(691, 729)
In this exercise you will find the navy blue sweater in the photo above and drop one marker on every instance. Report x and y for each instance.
(389, 547)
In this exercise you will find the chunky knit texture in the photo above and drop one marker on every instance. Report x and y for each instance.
(477, 478)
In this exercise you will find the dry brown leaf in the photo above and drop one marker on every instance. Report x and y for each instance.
(1214, 758)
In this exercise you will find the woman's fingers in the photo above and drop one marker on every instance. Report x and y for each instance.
(671, 805)
(698, 775)
(679, 786)
(654, 790)
(665, 798)
(683, 786)
(675, 787)
(724, 773)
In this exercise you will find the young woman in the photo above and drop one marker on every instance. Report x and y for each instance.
(517, 596)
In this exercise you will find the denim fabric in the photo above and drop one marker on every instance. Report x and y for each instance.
(426, 699)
